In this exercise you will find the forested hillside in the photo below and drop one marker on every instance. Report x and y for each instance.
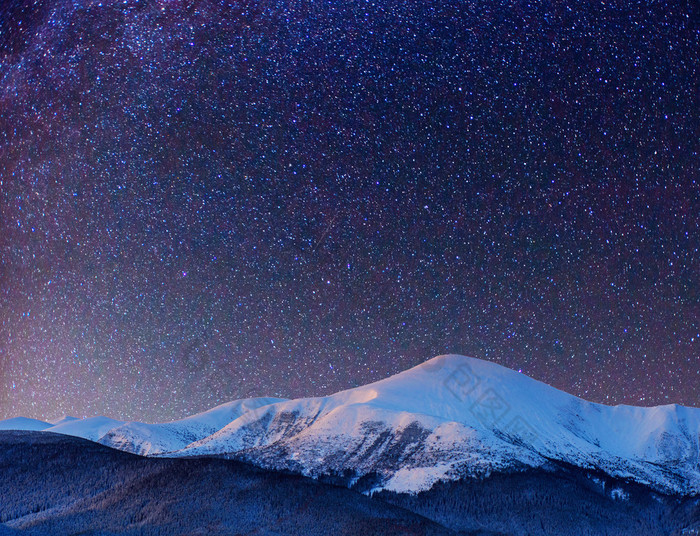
(54, 484)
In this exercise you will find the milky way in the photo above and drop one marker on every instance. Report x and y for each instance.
(204, 201)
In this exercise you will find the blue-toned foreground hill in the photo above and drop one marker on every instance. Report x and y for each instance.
(53, 484)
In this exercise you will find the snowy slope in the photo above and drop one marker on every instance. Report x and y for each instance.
(147, 439)
(23, 423)
(455, 416)
(64, 420)
(92, 428)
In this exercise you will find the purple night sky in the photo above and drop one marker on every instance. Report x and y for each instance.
(203, 201)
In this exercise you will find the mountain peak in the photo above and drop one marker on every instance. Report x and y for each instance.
(455, 415)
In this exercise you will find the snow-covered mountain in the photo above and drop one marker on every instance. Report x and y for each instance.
(449, 418)
(24, 423)
(142, 438)
(455, 416)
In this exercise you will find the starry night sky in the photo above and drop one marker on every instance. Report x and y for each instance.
(204, 201)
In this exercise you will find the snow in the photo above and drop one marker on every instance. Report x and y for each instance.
(23, 423)
(417, 479)
(619, 494)
(64, 420)
(92, 428)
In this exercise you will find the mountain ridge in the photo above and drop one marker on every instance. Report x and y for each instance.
(449, 418)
